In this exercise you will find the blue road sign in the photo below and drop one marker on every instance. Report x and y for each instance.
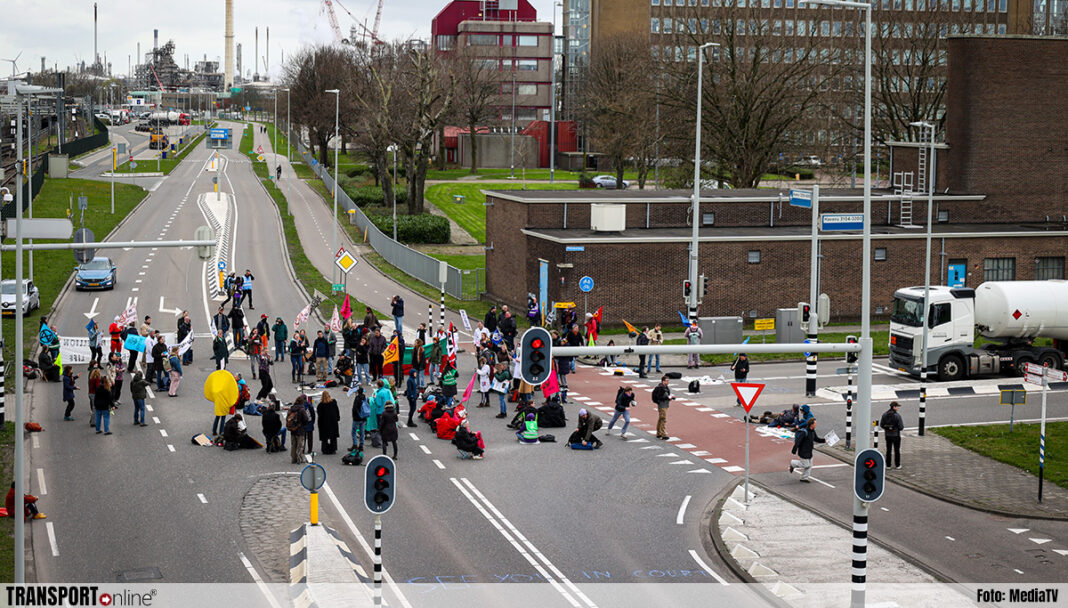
(807, 341)
(586, 284)
(831, 222)
(222, 265)
(575, 248)
(220, 134)
(801, 198)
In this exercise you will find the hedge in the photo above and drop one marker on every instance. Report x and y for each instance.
(363, 196)
(422, 228)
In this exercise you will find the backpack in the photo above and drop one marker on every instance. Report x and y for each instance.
(294, 421)
(694, 387)
(354, 458)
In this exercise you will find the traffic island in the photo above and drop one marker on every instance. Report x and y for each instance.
(323, 572)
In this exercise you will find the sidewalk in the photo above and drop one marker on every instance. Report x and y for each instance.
(312, 219)
(937, 467)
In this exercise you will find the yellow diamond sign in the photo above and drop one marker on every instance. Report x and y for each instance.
(345, 262)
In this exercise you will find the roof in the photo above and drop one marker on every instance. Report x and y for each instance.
(748, 195)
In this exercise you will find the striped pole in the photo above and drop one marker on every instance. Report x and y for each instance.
(849, 410)
(378, 561)
(3, 365)
(875, 427)
(443, 306)
(810, 366)
(860, 560)
(430, 318)
(1042, 436)
(923, 399)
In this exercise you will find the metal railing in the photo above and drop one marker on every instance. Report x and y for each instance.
(460, 284)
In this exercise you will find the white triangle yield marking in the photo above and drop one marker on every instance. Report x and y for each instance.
(1060, 551)
(648, 447)
(682, 462)
(715, 460)
(1018, 530)
(639, 440)
(699, 471)
(1040, 541)
(667, 455)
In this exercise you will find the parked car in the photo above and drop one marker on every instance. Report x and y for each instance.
(810, 161)
(31, 297)
(98, 273)
(609, 181)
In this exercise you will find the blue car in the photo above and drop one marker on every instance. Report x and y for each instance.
(98, 273)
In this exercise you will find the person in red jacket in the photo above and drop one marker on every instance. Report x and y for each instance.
(116, 337)
(29, 502)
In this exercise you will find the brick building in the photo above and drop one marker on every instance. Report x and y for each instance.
(1001, 209)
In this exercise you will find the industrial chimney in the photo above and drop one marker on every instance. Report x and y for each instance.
(155, 47)
(256, 70)
(267, 63)
(96, 57)
(239, 72)
(229, 39)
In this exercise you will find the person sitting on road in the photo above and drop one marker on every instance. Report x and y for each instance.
(29, 504)
(235, 435)
(49, 369)
(583, 438)
(529, 432)
(466, 443)
(803, 417)
(343, 369)
(274, 432)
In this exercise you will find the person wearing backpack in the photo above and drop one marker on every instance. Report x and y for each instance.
(662, 397)
(804, 439)
(501, 380)
(274, 432)
(624, 400)
(295, 421)
(361, 411)
(309, 426)
(740, 367)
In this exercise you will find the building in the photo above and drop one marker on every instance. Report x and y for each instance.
(508, 37)
(999, 207)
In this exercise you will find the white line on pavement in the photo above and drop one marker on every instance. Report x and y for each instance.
(155, 419)
(52, 539)
(170, 447)
(202, 499)
(438, 463)
(163, 432)
(830, 466)
(151, 395)
(36, 442)
(706, 568)
(682, 510)
(259, 580)
(414, 436)
(41, 482)
(425, 449)
(149, 407)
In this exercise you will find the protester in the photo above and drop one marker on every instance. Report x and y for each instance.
(274, 432)
(246, 288)
(320, 350)
(102, 404)
(220, 351)
(693, 335)
(804, 439)
(388, 428)
(583, 435)
(662, 397)
(418, 361)
(485, 375)
(68, 391)
(185, 327)
(93, 333)
(281, 334)
(467, 443)
(29, 505)
(361, 410)
(376, 347)
(296, 418)
(892, 425)
(502, 379)
(139, 392)
(329, 418)
(624, 401)
(361, 357)
(397, 310)
(176, 372)
(448, 383)
(235, 435)
(411, 392)
(266, 384)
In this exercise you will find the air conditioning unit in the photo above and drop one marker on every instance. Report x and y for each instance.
(608, 217)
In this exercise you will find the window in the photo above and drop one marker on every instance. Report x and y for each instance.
(777, 3)
(704, 2)
(491, 64)
(789, 28)
(754, 257)
(526, 65)
(482, 40)
(654, 25)
(880, 254)
(1003, 6)
(1049, 268)
(680, 2)
(704, 26)
(940, 313)
(656, 2)
(999, 269)
(708, 218)
(693, 26)
(520, 89)
(1001, 28)
(528, 40)
(776, 28)
(943, 216)
(446, 43)
(668, 25)
(825, 28)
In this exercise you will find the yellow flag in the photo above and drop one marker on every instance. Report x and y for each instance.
(630, 328)
(391, 353)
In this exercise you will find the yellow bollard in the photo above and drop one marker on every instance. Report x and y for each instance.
(222, 278)
(314, 509)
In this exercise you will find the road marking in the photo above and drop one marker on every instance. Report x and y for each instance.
(665, 455)
(52, 539)
(950, 538)
(170, 447)
(156, 420)
(135, 289)
(425, 449)
(715, 460)
(202, 499)
(685, 446)
(1017, 571)
(1061, 551)
(830, 466)
(1040, 541)
(258, 580)
(438, 462)
(706, 568)
(36, 442)
(1018, 530)
(414, 436)
(650, 447)
(706, 409)
(41, 483)
(733, 469)
(163, 432)
(885, 509)
(682, 510)
(700, 453)
(149, 407)
(682, 461)
(699, 471)
(823, 482)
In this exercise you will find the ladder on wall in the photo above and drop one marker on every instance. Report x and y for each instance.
(903, 187)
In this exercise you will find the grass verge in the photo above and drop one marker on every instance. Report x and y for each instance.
(461, 261)
(476, 309)
(535, 174)
(166, 165)
(471, 214)
(7, 524)
(1018, 448)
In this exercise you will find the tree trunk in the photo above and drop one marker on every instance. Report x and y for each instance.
(441, 148)
(619, 172)
(418, 185)
(387, 184)
(474, 149)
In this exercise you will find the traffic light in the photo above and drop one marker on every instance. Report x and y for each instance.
(804, 312)
(851, 357)
(702, 288)
(379, 484)
(869, 471)
(535, 356)
(687, 289)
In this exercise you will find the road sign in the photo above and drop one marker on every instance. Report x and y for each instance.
(83, 203)
(120, 148)
(1033, 368)
(345, 262)
(801, 198)
(133, 165)
(259, 150)
(313, 476)
(1056, 375)
(586, 284)
(1014, 397)
(44, 228)
(832, 222)
(1033, 379)
(764, 324)
(259, 158)
(338, 287)
(220, 134)
(869, 475)
(222, 265)
(747, 393)
(84, 235)
(575, 248)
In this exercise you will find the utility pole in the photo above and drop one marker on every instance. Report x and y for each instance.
(813, 294)
(692, 304)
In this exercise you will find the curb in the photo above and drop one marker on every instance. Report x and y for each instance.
(949, 499)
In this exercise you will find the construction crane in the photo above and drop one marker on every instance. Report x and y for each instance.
(329, 7)
(372, 32)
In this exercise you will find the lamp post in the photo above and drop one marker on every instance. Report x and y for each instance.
(926, 271)
(337, 114)
(860, 509)
(288, 158)
(697, 184)
(274, 127)
(552, 99)
(393, 148)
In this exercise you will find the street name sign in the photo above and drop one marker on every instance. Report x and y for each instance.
(832, 222)
(801, 198)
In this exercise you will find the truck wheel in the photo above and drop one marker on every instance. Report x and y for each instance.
(1050, 359)
(950, 367)
(1021, 364)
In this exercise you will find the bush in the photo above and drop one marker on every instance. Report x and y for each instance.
(358, 170)
(804, 172)
(585, 181)
(372, 195)
(423, 228)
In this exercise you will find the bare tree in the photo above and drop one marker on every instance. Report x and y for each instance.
(309, 74)
(375, 90)
(423, 97)
(477, 82)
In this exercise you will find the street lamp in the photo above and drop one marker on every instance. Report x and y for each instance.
(697, 183)
(393, 148)
(552, 98)
(860, 509)
(337, 115)
(287, 126)
(926, 270)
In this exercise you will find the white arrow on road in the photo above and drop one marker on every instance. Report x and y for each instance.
(92, 311)
(174, 311)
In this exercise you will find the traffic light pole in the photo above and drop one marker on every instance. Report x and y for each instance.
(705, 349)
(378, 561)
(813, 296)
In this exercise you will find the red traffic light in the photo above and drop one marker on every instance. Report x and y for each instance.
(869, 463)
(381, 471)
(536, 343)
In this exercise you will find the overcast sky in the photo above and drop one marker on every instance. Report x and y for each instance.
(62, 30)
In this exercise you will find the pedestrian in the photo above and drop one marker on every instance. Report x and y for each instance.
(397, 310)
(131, 361)
(370, 321)
(376, 346)
(139, 392)
(221, 322)
(159, 354)
(361, 358)
(95, 376)
(176, 372)
(693, 336)
(418, 362)
(388, 428)
(662, 397)
(281, 334)
(102, 405)
(93, 332)
(398, 365)
(329, 418)
(320, 351)
(624, 400)
(411, 392)
(502, 379)
(246, 288)
(642, 340)
(349, 337)
(508, 329)
(434, 360)
(490, 320)
(448, 383)
(740, 367)
(237, 324)
(220, 352)
(266, 384)
(185, 327)
(485, 374)
(656, 338)
(296, 359)
(309, 427)
(804, 439)
(892, 424)
(278, 172)
(331, 346)
(68, 391)
(361, 410)
(114, 375)
(296, 418)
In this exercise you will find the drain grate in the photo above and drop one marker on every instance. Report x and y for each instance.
(138, 575)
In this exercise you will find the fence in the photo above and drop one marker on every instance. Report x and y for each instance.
(460, 284)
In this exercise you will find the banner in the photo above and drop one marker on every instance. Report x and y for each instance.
(452, 346)
(551, 386)
(466, 321)
(75, 351)
(47, 336)
(302, 317)
(470, 388)
(630, 328)
(185, 344)
(130, 314)
(335, 321)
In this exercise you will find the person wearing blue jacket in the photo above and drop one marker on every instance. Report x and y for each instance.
(309, 428)
(68, 391)
(411, 392)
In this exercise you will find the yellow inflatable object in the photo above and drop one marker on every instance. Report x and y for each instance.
(221, 388)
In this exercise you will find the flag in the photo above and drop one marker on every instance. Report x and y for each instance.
(630, 328)
(346, 309)
(552, 385)
(47, 336)
(59, 362)
(453, 346)
(302, 317)
(391, 354)
(685, 321)
(470, 388)
(335, 321)
(593, 339)
(130, 314)
(597, 316)
(497, 336)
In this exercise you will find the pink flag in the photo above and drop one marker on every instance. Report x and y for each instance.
(346, 310)
(335, 322)
(469, 389)
(302, 316)
(552, 385)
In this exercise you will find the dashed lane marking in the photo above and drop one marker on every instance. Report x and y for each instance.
(52, 539)
(170, 447)
(155, 420)
(715, 460)
(202, 499)
(163, 432)
(425, 449)
(682, 510)
(699, 471)
(733, 469)
(414, 436)
(438, 463)
(950, 538)
(42, 488)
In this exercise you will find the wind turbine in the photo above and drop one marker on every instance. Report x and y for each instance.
(13, 67)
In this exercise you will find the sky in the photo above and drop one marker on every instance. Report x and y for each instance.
(62, 30)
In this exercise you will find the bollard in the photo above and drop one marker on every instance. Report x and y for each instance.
(314, 509)
(875, 428)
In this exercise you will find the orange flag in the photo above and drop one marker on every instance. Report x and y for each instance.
(391, 354)
(630, 328)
